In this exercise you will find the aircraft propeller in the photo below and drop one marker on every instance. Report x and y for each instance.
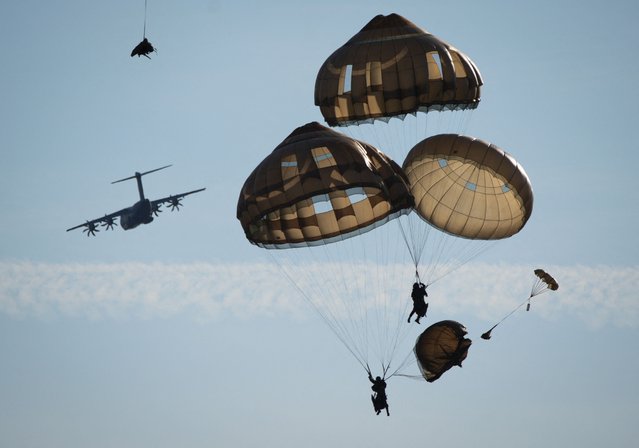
(90, 229)
(109, 223)
(176, 203)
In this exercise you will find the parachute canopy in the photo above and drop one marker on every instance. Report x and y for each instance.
(320, 186)
(440, 347)
(468, 188)
(392, 68)
(547, 280)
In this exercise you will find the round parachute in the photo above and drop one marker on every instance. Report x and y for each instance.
(392, 68)
(319, 186)
(440, 347)
(543, 282)
(468, 188)
(321, 203)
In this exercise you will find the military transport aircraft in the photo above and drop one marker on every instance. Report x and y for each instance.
(141, 212)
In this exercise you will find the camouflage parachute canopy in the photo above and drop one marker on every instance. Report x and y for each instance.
(546, 278)
(468, 188)
(320, 186)
(392, 68)
(440, 347)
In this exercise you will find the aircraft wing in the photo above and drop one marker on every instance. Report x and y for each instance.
(106, 220)
(173, 201)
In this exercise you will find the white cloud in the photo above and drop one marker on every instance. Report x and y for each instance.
(598, 295)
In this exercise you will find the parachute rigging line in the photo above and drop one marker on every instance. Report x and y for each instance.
(330, 323)
(144, 32)
(357, 334)
(408, 361)
(421, 237)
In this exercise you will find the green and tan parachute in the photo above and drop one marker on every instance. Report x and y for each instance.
(440, 347)
(317, 187)
(323, 205)
(392, 68)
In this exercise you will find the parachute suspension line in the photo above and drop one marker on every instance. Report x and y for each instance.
(412, 377)
(340, 291)
(360, 289)
(350, 294)
(466, 118)
(336, 290)
(389, 331)
(144, 32)
(412, 250)
(415, 241)
(539, 287)
(390, 328)
(513, 311)
(408, 361)
(487, 335)
(436, 254)
(385, 369)
(469, 255)
(381, 325)
(376, 291)
(355, 297)
(325, 315)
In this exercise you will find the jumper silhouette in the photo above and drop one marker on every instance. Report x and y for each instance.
(420, 307)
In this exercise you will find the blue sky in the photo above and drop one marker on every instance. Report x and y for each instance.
(183, 333)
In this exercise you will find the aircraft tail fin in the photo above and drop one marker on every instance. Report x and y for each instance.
(137, 175)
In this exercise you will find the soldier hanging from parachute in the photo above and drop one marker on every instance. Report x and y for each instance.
(419, 294)
(145, 47)
(379, 398)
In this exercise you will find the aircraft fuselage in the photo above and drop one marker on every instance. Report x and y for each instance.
(138, 213)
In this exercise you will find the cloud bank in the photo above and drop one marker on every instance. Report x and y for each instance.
(597, 295)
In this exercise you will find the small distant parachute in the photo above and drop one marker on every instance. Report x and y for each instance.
(543, 282)
(441, 346)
